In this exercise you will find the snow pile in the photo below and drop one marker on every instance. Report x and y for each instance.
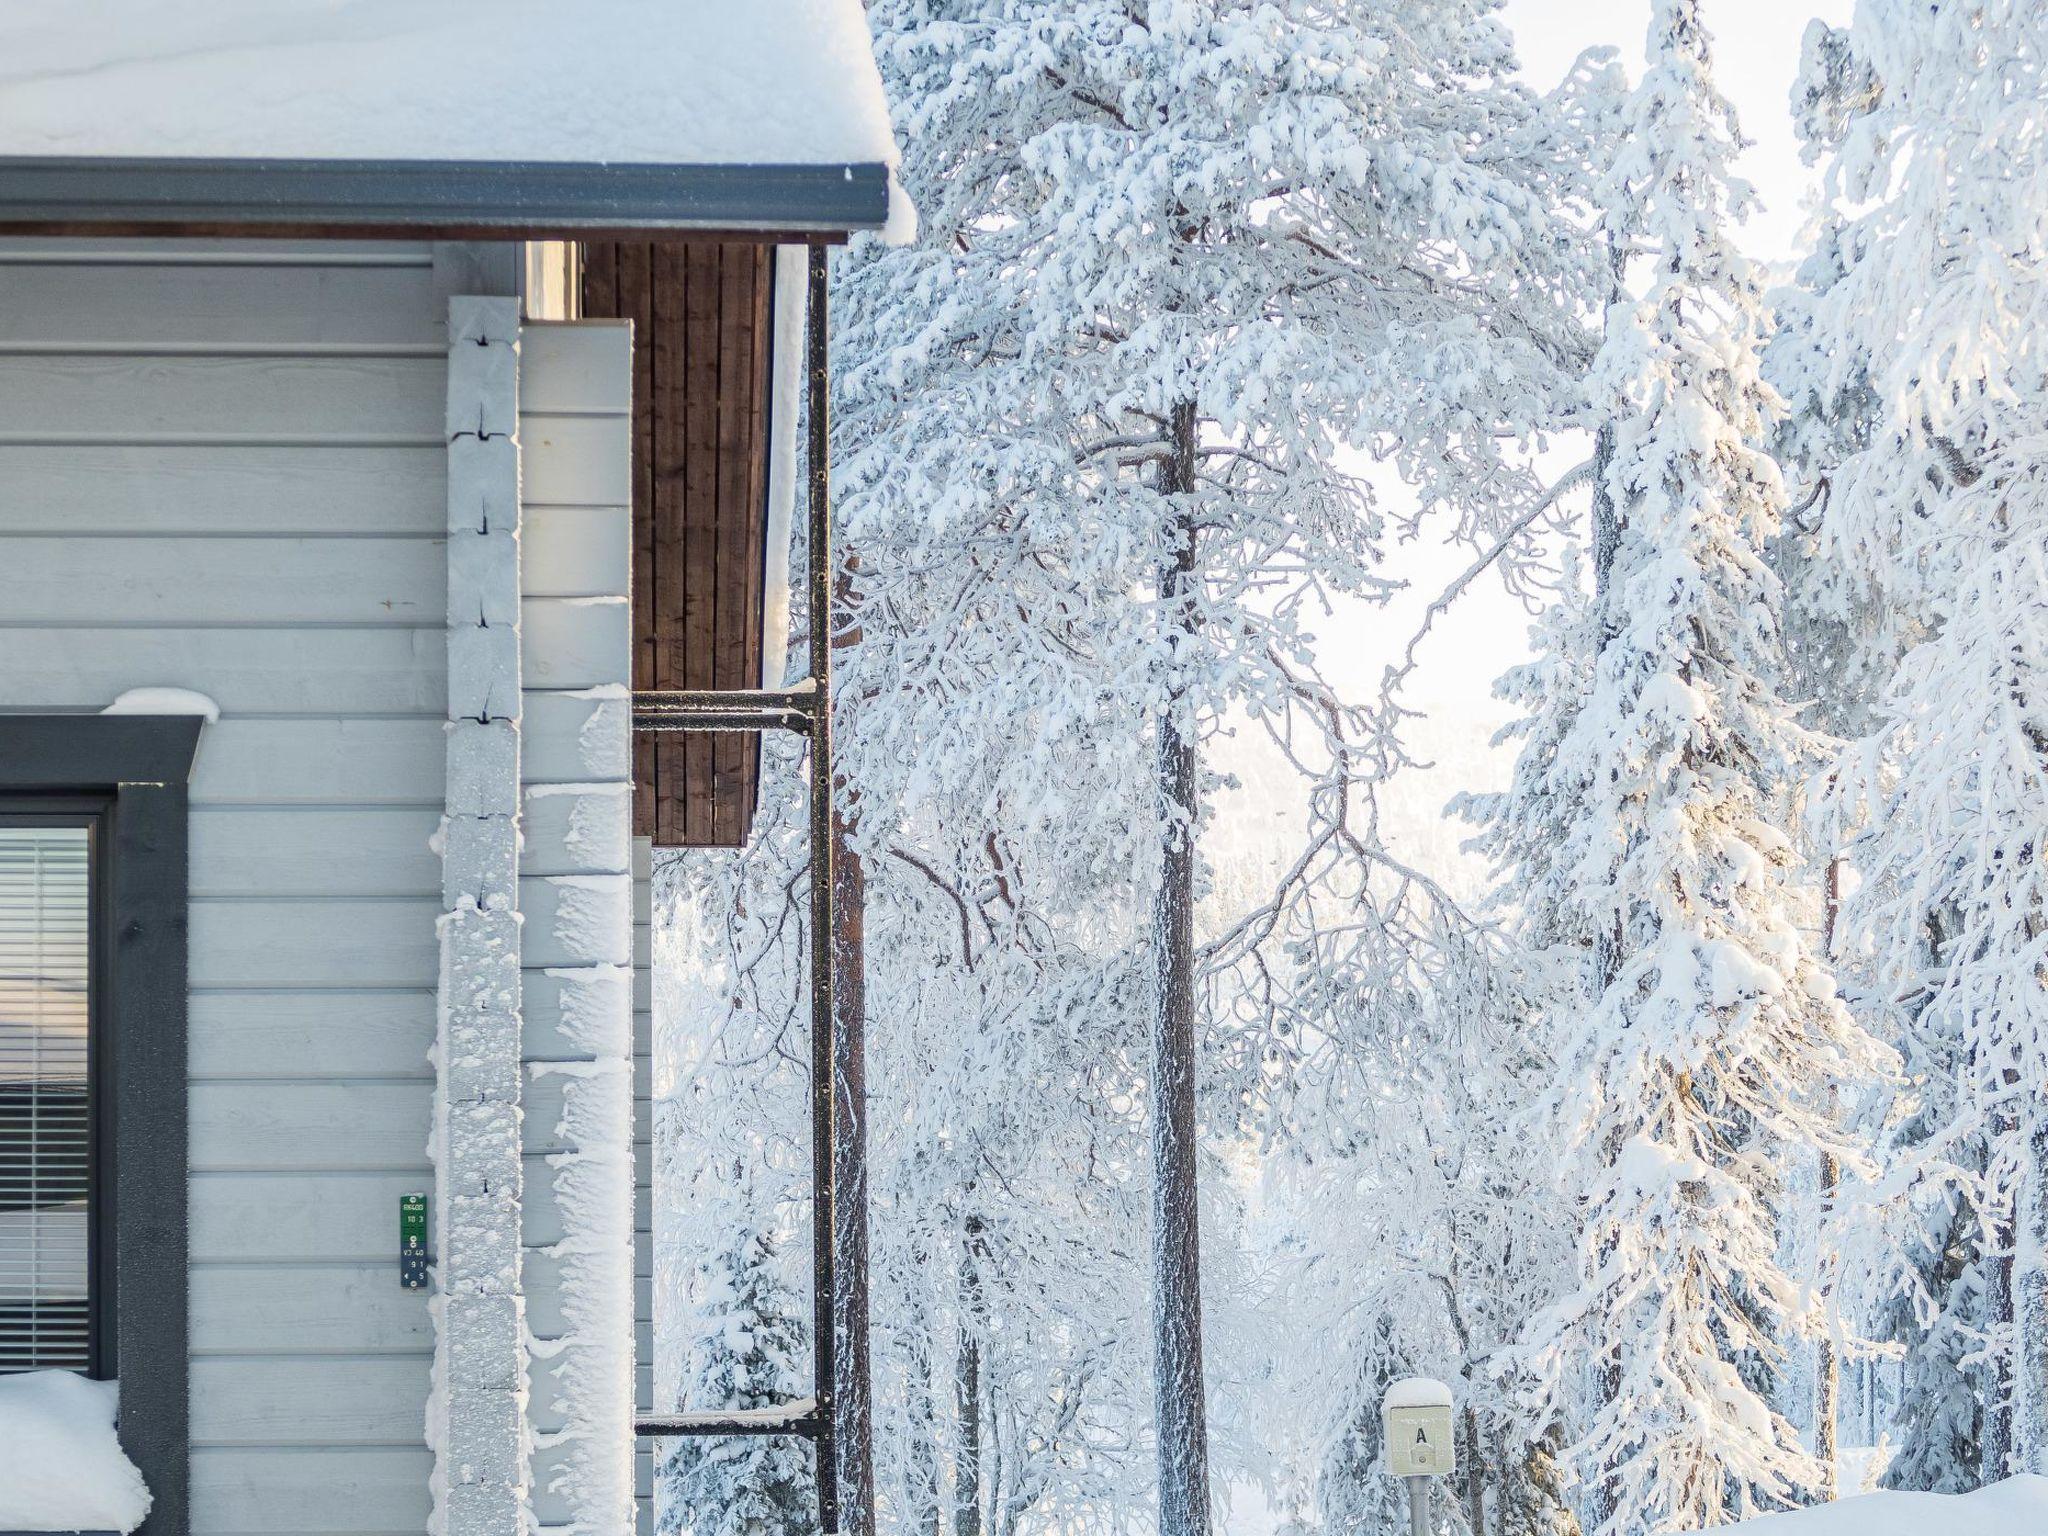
(1416, 1392)
(2016, 1507)
(680, 83)
(63, 1469)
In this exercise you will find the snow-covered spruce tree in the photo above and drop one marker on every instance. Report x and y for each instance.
(1712, 1041)
(752, 1354)
(1936, 161)
(1179, 260)
(1837, 644)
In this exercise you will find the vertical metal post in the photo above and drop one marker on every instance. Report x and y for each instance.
(809, 710)
(824, 1343)
(1418, 1506)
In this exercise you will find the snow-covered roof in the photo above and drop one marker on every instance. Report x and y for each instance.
(663, 83)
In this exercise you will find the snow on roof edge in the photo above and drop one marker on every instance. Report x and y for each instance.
(686, 83)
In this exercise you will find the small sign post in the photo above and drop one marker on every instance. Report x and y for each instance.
(412, 1242)
(1416, 1415)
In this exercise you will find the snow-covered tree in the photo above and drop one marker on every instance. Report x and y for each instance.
(1931, 116)
(1712, 1043)
(751, 1353)
(1413, 1225)
(1182, 261)
(1004, 1142)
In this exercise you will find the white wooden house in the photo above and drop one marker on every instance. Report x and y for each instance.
(302, 417)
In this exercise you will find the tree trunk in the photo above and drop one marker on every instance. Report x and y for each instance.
(1606, 524)
(1176, 1231)
(1604, 1496)
(852, 1385)
(1827, 1365)
(852, 1376)
(1475, 1484)
(1607, 513)
(921, 1453)
(1998, 1415)
(2030, 1313)
(967, 1388)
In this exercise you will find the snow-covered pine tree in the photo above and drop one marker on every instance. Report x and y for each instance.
(1712, 1038)
(1181, 260)
(1936, 158)
(751, 1353)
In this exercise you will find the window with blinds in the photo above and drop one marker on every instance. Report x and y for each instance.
(45, 1106)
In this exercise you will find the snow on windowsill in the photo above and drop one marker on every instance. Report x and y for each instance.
(64, 1469)
(164, 701)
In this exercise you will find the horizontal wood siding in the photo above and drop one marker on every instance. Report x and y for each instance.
(574, 894)
(222, 468)
(702, 340)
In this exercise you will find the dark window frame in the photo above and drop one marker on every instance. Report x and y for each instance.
(93, 814)
(134, 769)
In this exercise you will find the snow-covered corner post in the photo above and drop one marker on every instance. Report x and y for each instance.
(1416, 1416)
(476, 1416)
(578, 934)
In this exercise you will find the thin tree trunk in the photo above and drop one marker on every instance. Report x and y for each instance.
(853, 1380)
(1998, 1415)
(967, 1388)
(1606, 524)
(2030, 1271)
(1604, 1496)
(921, 1453)
(1607, 513)
(1475, 1466)
(1827, 1366)
(1475, 1484)
(1176, 1229)
(2030, 1313)
(852, 1384)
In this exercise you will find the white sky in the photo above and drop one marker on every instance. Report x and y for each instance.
(1756, 59)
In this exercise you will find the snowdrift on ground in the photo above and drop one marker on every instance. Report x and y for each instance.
(61, 1467)
(2016, 1507)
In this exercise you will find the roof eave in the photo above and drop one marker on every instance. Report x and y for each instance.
(446, 200)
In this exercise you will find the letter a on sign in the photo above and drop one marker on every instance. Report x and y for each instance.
(1418, 1425)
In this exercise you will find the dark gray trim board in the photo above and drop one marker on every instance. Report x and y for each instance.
(138, 766)
(445, 199)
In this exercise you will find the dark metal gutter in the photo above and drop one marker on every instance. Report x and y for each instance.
(437, 199)
(807, 710)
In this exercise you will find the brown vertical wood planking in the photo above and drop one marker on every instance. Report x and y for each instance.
(700, 520)
(668, 534)
(702, 345)
(738, 284)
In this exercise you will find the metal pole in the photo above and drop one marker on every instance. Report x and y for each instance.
(824, 1343)
(1418, 1506)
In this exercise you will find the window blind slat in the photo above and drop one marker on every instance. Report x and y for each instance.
(45, 1120)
